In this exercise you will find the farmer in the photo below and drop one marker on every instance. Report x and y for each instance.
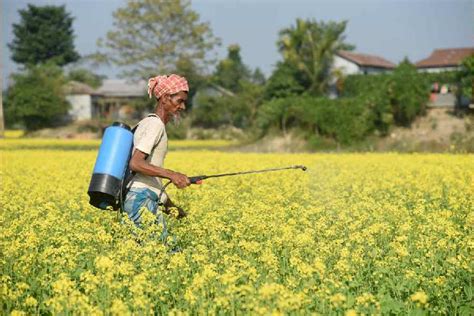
(150, 146)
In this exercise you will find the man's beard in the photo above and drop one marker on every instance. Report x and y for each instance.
(176, 118)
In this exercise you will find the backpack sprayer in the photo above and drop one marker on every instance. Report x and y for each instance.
(110, 166)
(110, 170)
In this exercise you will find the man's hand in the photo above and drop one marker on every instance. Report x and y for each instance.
(180, 180)
(179, 214)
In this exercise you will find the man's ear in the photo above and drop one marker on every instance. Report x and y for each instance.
(167, 98)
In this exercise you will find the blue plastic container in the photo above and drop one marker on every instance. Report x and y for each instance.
(110, 166)
(114, 151)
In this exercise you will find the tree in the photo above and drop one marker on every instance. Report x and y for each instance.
(187, 68)
(309, 47)
(466, 79)
(85, 76)
(284, 82)
(239, 110)
(37, 99)
(149, 37)
(258, 77)
(408, 93)
(231, 70)
(244, 93)
(44, 34)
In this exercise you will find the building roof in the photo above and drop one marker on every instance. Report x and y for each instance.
(448, 57)
(366, 60)
(122, 88)
(75, 87)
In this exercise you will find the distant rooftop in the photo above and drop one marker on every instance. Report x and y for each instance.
(75, 87)
(122, 88)
(448, 57)
(366, 60)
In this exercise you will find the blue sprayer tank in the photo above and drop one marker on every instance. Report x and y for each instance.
(110, 166)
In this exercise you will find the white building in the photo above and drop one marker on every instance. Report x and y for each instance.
(118, 98)
(81, 97)
(447, 59)
(114, 99)
(350, 63)
(440, 60)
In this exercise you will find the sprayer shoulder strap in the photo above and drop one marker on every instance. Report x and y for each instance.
(134, 129)
(129, 174)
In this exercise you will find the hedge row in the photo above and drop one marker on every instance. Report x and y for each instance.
(367, 104)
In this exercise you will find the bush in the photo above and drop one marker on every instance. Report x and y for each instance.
(36, 99)
(273, 113)
(211, 111)
(357, 85)
(395, 98)
(345, 119)
(178, 130)
(284, 82)
(239, 110)
(408, 93)
(466, 79)
(445, 77)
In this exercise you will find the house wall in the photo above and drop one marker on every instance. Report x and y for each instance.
(345, 66)
(118, 107)
(439, 69)
(373, 70)
(350, 68)
(81, 106)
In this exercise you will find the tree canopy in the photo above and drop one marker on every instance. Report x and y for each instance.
(150, 37)
(466, 78)
(44, 34)
(85, 76)
(408, 93)
(37, 99)
(231, 70)
(309, 47)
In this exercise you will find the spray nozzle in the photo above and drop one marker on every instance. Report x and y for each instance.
(301, 167)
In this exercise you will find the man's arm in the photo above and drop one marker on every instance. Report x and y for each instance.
(139, 164)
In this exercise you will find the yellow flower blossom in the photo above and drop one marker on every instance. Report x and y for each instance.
(420, 297)
(31, 301)
(351, 312)
(337, 299)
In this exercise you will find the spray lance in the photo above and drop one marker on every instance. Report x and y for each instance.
(199, 179)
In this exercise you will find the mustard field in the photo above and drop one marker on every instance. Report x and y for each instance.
(93, 144)
(355, 234)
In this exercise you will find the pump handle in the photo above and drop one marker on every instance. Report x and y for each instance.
(197, 179)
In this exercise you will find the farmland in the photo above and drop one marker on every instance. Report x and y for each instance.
(355, 234)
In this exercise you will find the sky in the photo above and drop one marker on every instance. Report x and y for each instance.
(392, 29)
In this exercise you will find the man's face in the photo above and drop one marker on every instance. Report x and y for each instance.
(176, 103)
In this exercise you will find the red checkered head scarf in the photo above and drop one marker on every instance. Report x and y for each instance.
(161, 85)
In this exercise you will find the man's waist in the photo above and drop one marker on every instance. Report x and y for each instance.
(144, 185)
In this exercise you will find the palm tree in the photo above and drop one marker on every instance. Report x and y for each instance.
(309, 46)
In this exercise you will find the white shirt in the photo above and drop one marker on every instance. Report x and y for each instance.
(150, 138)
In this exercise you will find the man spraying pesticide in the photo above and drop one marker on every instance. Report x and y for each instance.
(150, 145)
(143, 151)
